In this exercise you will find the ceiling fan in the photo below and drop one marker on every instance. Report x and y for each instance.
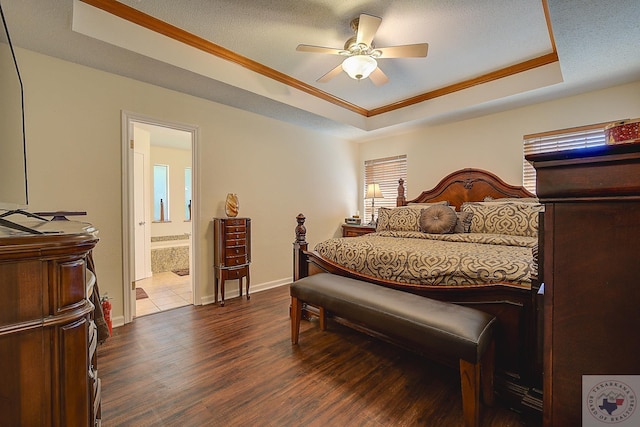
(361, 53)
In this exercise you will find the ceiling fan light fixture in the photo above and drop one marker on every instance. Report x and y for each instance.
(359, 67)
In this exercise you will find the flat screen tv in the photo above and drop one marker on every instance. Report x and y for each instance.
(13, 150)
(13, 162)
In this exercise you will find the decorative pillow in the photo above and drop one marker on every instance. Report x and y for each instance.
(438, 219)
(515, 219)
(401, 218)
(398, 219)
(463, 224)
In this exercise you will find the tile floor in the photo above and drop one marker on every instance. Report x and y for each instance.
(166, 290)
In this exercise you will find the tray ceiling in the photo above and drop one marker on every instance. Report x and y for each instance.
(483, 56)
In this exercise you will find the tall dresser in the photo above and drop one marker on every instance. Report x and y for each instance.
(231, 252)
(591, 264)
(48, 363)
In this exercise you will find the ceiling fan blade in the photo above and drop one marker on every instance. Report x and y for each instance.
(406, 51)
(367, 27)
(378, 77)
(331, 74)
(318, 49)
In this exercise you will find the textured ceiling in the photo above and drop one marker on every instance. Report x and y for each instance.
(596, 44)
(498, 33)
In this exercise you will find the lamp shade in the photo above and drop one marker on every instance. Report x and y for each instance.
(359, 66)
(373, 192)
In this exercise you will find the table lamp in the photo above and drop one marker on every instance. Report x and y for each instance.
(373, 193)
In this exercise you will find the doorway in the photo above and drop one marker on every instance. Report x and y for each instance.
(159, 210)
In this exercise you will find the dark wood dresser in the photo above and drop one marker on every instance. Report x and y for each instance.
(48, 363)
(591, 270)
(231, 252)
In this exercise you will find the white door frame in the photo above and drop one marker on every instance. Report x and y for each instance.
(128, 220)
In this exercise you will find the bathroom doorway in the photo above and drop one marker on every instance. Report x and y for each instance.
(160, 211)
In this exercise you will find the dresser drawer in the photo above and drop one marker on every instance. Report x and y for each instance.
(235, 251)
(235, 240)
(230, 229)
(23, 303)
(237, 221)
(70, 280)
(237, 273)
(232, 261)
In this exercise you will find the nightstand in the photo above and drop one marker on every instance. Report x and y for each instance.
(350, 230)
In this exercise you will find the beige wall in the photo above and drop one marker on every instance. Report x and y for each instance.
(74, 140)
(494, 142)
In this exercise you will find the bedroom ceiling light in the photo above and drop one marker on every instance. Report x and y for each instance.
(362, 53)
(359, 66)
(373, 193)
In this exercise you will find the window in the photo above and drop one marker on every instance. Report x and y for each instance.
(564, 139)
(160, 193)
(187, 194)
(386, 173)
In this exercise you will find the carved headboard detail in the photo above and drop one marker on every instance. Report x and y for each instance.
(465, 185)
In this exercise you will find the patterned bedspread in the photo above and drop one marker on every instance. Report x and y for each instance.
(436, 259)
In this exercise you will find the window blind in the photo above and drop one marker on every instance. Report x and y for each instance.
(385, 172)
(563, 139)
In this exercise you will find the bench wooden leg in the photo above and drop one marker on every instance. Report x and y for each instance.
(487, 371)
(323, 319)
(470, 379)
(296, 315)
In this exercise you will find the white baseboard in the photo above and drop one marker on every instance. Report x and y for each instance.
(117, 321)
(232, 291)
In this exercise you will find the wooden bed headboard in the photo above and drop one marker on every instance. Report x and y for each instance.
(465, 185)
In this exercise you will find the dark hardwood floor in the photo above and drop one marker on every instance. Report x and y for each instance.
(235, 366)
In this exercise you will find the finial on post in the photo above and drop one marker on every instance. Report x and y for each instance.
(301, 230)
(401, 199)
(300, 267)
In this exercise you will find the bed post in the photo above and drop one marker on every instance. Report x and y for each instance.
(300, 267)
(401, 200)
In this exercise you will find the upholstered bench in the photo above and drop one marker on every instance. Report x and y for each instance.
(436, 327)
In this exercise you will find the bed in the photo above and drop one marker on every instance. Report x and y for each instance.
(485, 257)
